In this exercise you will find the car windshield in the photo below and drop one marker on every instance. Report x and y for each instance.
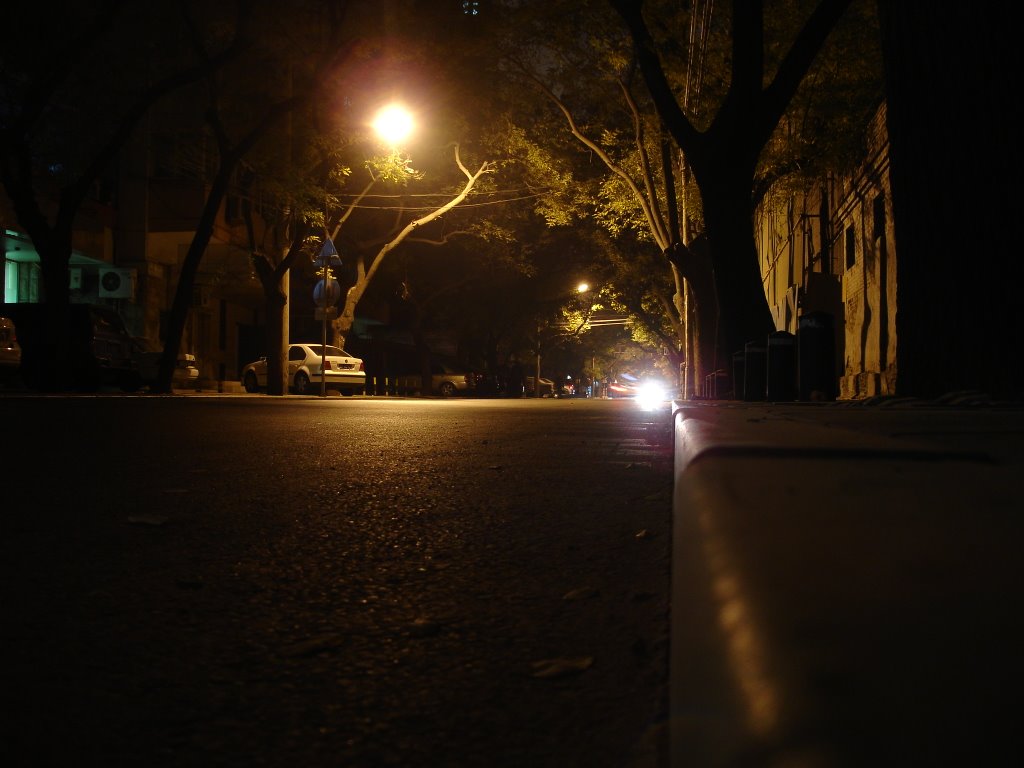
(318, 350)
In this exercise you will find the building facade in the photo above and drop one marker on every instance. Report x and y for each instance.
(830, 252)
(127, 254)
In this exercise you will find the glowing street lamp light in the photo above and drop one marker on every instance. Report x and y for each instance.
(393, 124)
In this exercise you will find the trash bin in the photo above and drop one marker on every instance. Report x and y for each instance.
(781, 367)
(755, 371)
(716, 385)
(816, 363)
(738, 374)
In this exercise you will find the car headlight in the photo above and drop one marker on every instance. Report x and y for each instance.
(651, 394)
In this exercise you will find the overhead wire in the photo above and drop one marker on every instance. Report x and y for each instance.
(434, 194)
(434, 207)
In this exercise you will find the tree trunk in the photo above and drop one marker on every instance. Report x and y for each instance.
(743, 314)
(277, 335)
(702, 312)
(342, 324)
(182, 303)
(51, 369)
(953, 106)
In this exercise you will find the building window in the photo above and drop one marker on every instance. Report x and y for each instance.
(851, 248)
(878, 215)
(22, 282)
(10, 281)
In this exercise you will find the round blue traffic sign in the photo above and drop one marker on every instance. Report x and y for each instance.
(326, 294)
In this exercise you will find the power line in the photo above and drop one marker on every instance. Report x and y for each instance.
(443, 194)
(434, 207)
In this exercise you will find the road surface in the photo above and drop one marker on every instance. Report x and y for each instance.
(247, 581)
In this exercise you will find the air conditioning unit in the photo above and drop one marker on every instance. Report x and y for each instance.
(117, 283)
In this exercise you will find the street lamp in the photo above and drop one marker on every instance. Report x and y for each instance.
(393, 124)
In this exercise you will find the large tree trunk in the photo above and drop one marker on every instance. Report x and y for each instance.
(47, 366)
(50, 365)
(954, 102)
(277, 336)
(743, 313)
(701, 314)
(702, 309)
(182, 303)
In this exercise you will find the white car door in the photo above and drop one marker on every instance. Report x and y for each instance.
(296, 357)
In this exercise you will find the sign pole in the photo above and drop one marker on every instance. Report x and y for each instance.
(327, 258)
(323, 348)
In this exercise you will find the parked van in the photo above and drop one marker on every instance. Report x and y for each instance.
(99, 351)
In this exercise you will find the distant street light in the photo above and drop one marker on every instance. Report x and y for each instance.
(393, 124)
(581, 288)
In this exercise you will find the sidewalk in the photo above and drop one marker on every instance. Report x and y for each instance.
(846, 584)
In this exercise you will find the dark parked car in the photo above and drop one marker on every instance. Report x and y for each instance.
(147, 359)
(99, 352)
(446, 379)
(10, 350)
(547, 387)
(621, 389)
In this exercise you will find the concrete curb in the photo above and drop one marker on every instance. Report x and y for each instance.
(841, 596)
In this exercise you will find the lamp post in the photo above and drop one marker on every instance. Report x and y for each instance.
(536, 374)
(392, 124)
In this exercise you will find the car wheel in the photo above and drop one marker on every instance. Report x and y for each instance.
(250, 383)
(32, 370)
(130, 382)
(447, 389)
(301, 383)
(88, 378)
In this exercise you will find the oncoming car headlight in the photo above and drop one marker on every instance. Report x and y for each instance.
(652, 394)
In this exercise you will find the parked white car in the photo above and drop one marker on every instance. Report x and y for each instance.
(342, 371)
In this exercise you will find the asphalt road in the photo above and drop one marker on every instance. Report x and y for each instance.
(255, 581)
